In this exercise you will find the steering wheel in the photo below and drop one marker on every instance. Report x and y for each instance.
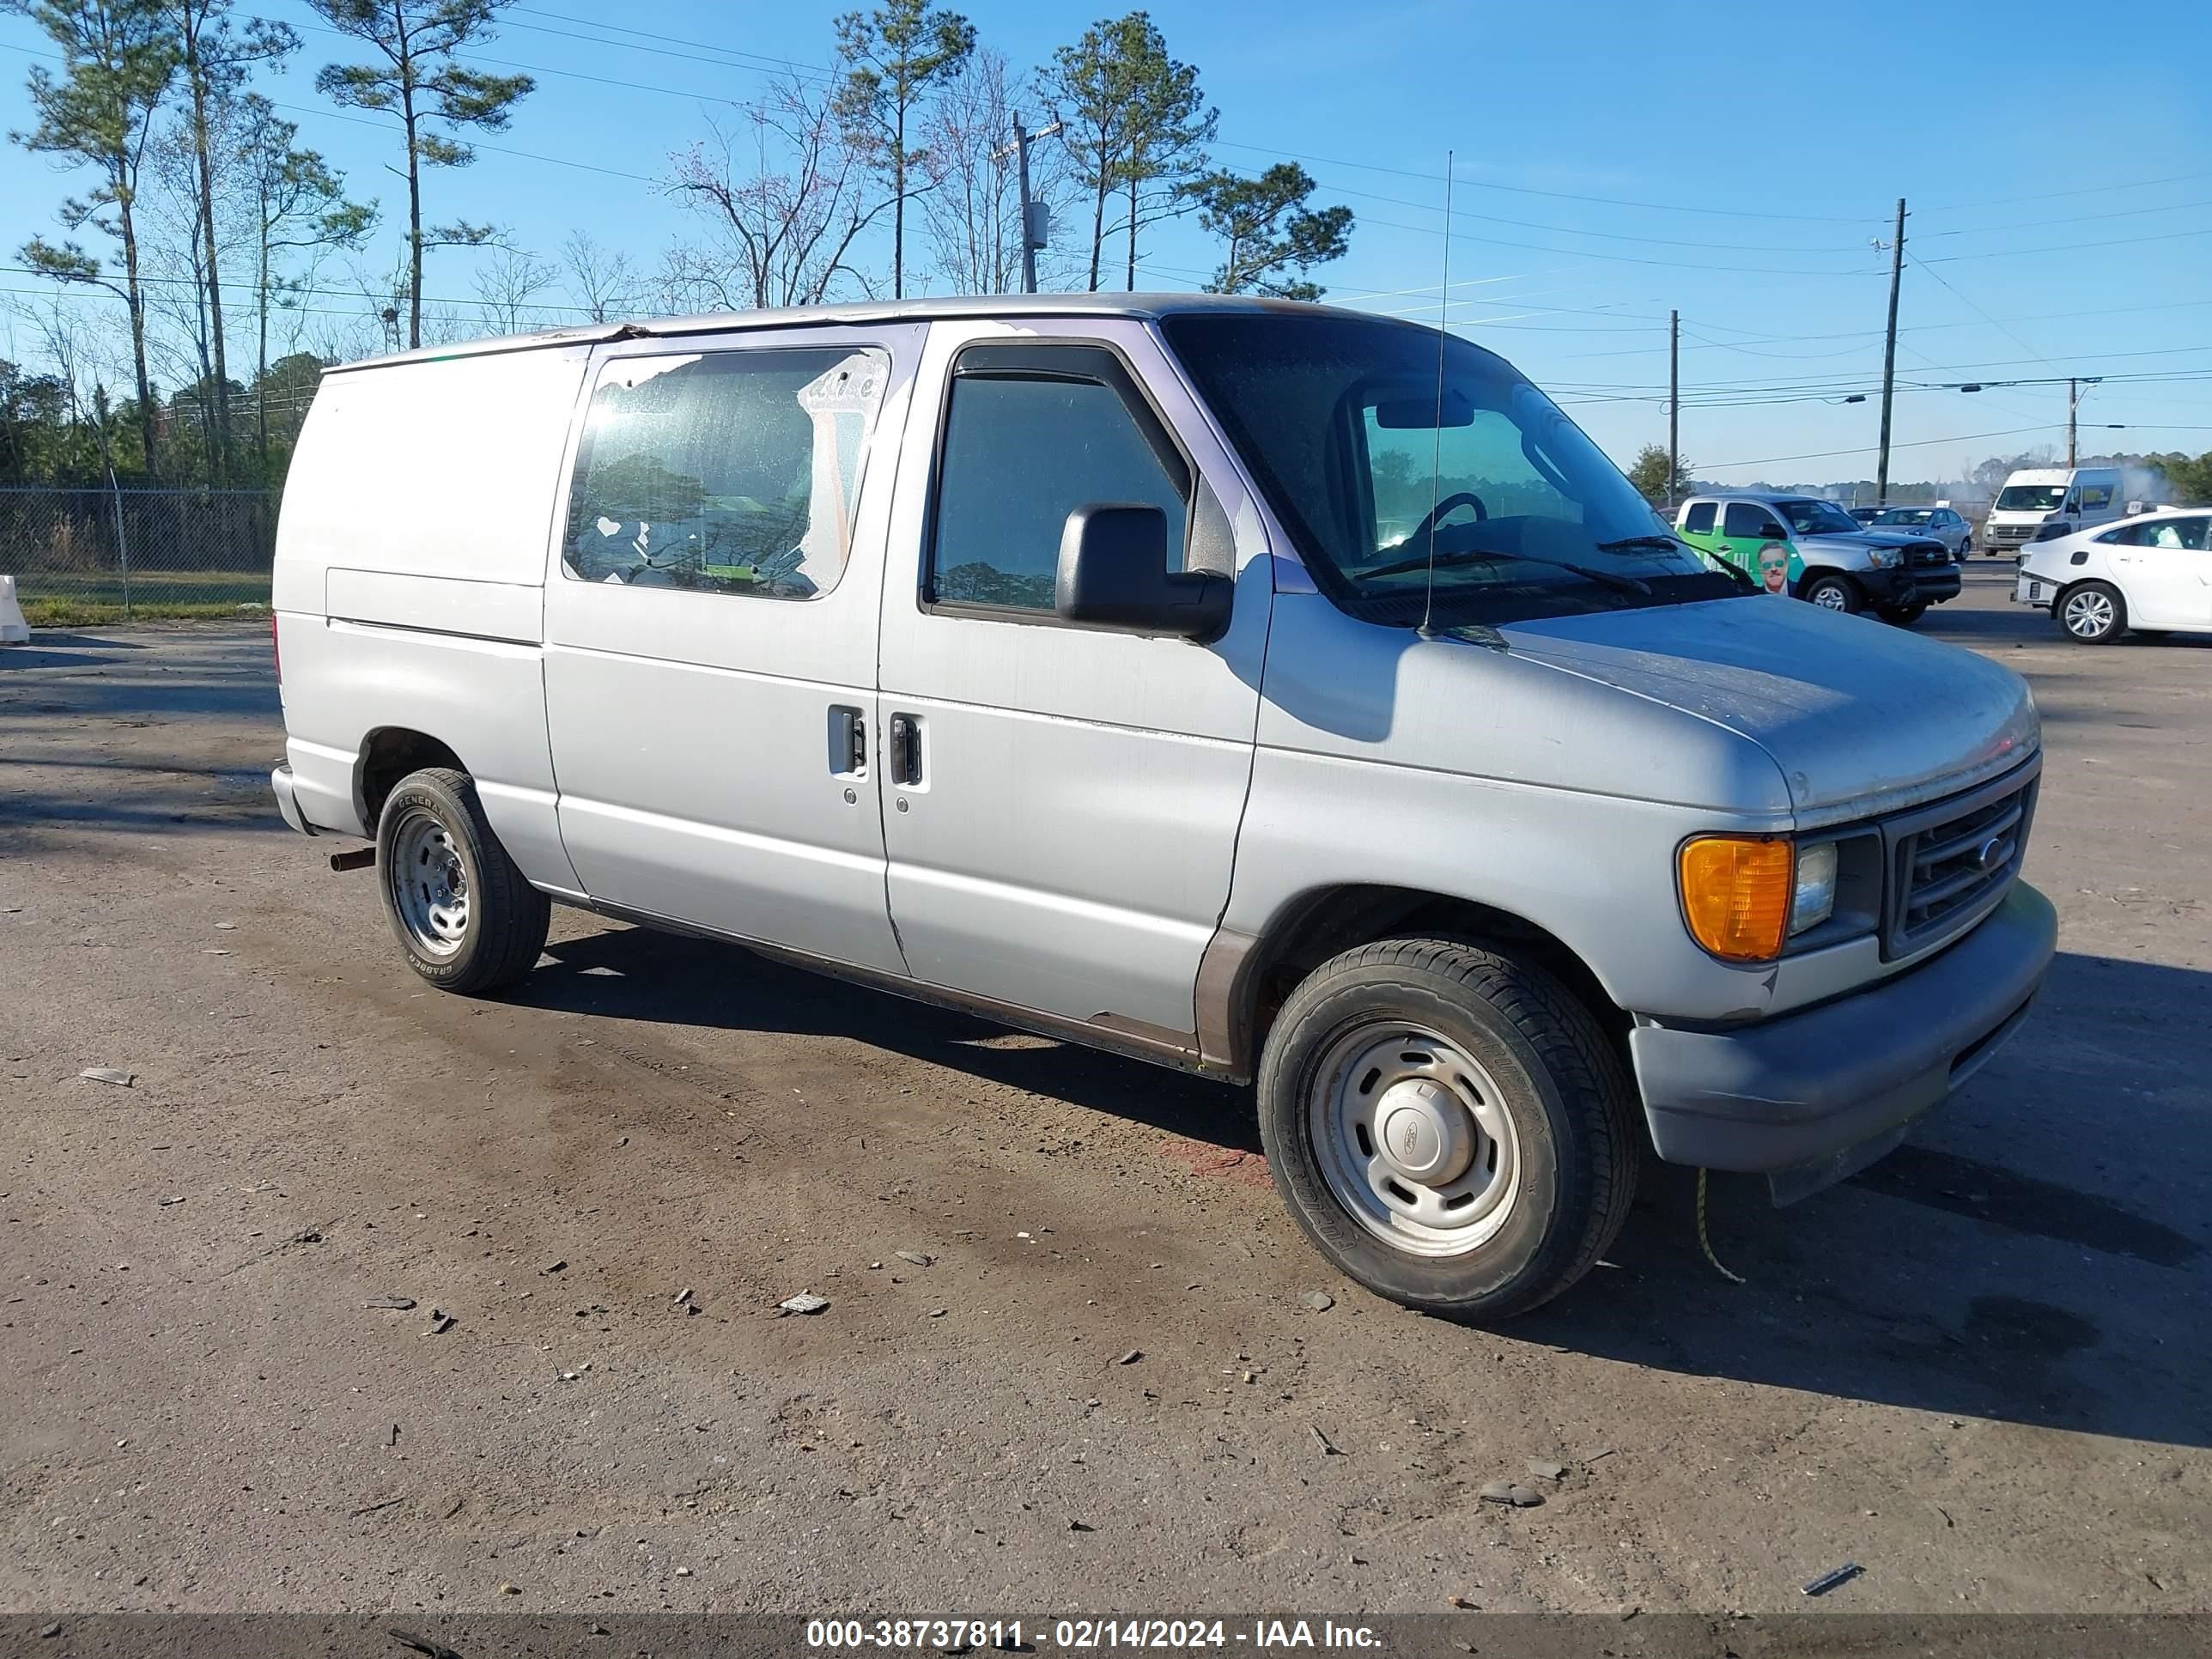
(1457, 499)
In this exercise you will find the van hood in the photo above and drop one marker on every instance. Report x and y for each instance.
(1861, 717)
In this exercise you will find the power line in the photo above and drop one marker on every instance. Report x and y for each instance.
(2059, 195)
(1917, 443)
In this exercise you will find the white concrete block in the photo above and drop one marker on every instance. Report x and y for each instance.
(13, 630)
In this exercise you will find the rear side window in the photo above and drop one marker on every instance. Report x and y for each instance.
(723, 472)
(1698, 520)
(1032, 434)
(2095, 498)
(1744, 519)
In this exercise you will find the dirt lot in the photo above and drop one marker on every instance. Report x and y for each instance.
(1980, 1370)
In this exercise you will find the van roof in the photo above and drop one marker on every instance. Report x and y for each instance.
(1147, 306)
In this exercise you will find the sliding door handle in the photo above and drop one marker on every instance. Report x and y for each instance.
(906, 749)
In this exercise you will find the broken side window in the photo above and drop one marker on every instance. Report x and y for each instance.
(724, 471)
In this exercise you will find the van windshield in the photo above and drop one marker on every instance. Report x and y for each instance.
(2030, 498)
(1337, 418)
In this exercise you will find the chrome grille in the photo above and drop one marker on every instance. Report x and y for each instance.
(1951, 864)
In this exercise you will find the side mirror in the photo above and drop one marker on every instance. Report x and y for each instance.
(1114, 573)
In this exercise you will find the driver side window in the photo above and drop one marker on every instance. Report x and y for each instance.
(1743, 519)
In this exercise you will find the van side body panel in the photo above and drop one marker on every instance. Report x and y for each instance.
(410, 559)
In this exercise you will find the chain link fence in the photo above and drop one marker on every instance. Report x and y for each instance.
(82, 556)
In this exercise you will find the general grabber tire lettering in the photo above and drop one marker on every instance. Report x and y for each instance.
(1450, 1125)
(462, 911)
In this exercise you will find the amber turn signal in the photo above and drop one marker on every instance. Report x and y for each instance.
(1736, 891)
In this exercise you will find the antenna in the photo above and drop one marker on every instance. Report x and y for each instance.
(1436, 451)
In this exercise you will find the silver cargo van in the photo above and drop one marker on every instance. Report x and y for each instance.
(1273, 691)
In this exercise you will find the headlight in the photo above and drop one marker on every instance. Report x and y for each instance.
(1885, 558)
(1814, 899)
(1737, 893)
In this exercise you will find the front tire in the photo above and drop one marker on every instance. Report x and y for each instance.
(2093, 613)
(1449, 1125)
(464, 915)
(1834, 593)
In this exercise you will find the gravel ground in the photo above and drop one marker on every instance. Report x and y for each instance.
(1980, 1371)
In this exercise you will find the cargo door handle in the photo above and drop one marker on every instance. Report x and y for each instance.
(906, 749)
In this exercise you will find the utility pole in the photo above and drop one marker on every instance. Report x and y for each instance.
(2073, 386)
(1674, 406)
(1035, 231)
(1889, 357)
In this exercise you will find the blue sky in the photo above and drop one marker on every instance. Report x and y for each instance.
(1613, 161)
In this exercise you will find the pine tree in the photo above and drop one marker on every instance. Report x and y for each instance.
(119, 59)
(418, 78)
(896, 53)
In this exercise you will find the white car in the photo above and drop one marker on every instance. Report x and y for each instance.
(2153, 573)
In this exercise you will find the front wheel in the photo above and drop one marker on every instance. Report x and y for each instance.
(2093, 614)
(1833, 593)
(462, 912)
(1905, 615)
(1449, 1125)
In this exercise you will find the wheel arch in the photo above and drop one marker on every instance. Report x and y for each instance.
(388, 754)
(1244, 979)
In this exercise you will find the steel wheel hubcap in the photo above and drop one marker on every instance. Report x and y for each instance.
(2088, 614)
(429, 884)
(1414, 1140)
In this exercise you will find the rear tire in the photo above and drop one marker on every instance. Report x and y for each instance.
(1833, 593)
(2093, 613)
(1449, 1125)
(462, 911)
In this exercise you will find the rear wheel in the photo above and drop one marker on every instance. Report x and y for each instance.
(1449, 1126)
(2093, 613)
(462, 911)
(1832, 592)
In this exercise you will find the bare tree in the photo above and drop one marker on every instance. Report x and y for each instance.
(972, 209)
(785, 195)
(602, 281)
(215, 59)
(508, 284)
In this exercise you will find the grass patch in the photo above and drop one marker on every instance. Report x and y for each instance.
(74, 613)
(97, 597)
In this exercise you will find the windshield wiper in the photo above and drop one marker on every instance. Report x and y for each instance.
(1442, 561)
(1623, 544)
(1473, 556)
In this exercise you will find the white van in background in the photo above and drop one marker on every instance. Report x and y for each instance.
(2041, 503)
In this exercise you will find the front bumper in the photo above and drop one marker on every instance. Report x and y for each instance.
(287, 803)
(1889, 590)
(1809, 1099)
(1935, 583)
